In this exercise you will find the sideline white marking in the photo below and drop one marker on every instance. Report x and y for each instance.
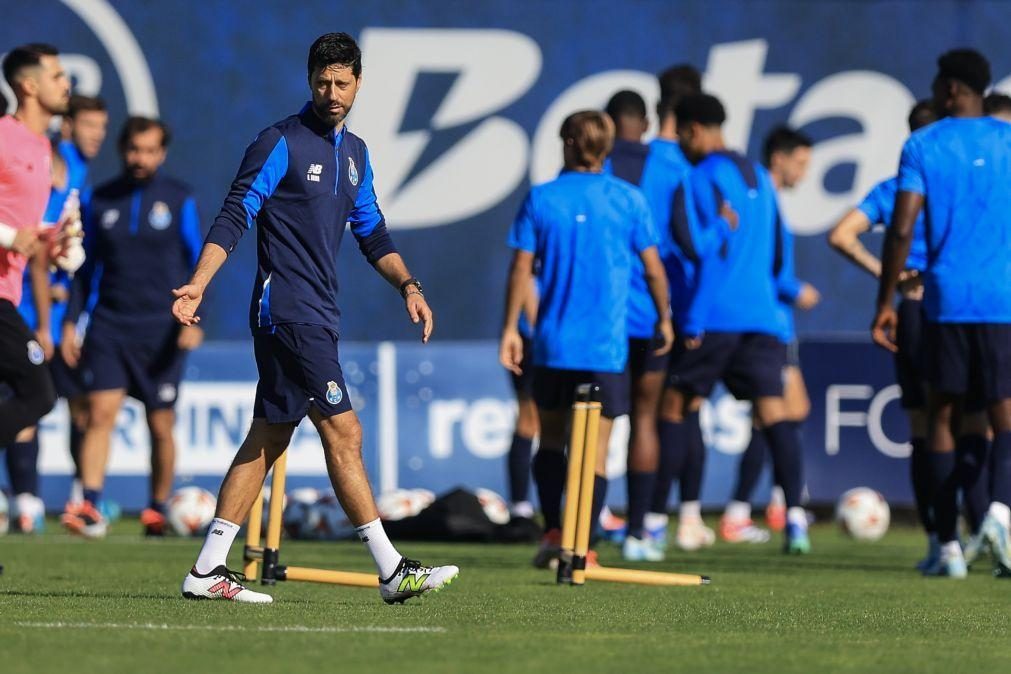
(231, 628)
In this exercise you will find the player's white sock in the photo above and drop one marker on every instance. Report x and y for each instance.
(522, 509)
(374, 537)
(690, 511)
(76, 491)
(776, 496)
(654, 521)
(796, 516)
(951, 550)
(738, 511)
(218, 542)
(1001, 513)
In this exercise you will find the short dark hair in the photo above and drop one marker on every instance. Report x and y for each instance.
(996, 102)
(25, 56)
(677, 82)
(783, 139)
(79, 103)
(702, 108)
(135, 125)
(335, 48)
(626, 103)
(967, 66)
(922, 114)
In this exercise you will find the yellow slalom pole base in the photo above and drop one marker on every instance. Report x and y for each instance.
(644, 577)
(253, 552)
(351, 578)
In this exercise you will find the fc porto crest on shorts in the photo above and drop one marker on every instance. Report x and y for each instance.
(352, 172)
(160, 216)
(36, 356)
(334, 395)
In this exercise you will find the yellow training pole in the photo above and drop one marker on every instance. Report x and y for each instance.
(253, 551)
(644, 577)
(576, 444)
(589, 469)
(334, 577)
(273, 547)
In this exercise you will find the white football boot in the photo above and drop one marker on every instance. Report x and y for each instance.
(411, 579)
(221, 584)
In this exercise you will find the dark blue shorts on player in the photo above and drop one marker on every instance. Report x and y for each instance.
(299, 367)
(910, 367)
(642, 358)
(66, 379)
(523, 383)
(749, 364)
(555, 389)
(142, 358)
(972, 360)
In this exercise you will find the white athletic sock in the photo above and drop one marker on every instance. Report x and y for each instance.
(1001, 513)
(654, 521)
(522, 509)
(951, 550)
(776, 496)
(76, 491)
(738, 511)
(690, 511)
(383, 553)
(796, 516)
(218, 542)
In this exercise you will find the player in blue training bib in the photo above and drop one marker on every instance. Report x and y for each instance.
(958, 171)
(584, 229)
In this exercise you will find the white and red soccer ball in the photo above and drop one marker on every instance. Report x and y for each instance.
(863, 514)
(190, 510)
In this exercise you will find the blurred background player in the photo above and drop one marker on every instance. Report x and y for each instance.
(82, 134)
(583, 228)
(733, 327)
(786, 154)
(958, 170)
(656, 172)
(877, 209)
(998, 105)
(527, 425)
(42, 90)
(143, 238)
(676, 461)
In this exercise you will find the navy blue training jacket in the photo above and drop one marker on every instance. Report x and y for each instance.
(301, 184)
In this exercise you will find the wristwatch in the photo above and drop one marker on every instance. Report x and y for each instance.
(407, 284)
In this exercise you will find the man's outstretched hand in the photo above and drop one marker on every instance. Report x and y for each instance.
(187, 301)
(420, 312)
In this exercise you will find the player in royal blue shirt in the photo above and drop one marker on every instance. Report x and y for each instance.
(733, 328)
(302, 181)
(657, 172)
(786, 153)
(584, 229)
(876, 209)
(958, 171)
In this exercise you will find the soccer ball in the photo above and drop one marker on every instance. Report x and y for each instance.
(5, 514)
(863, 514)
(402, 503)
(190, 510)
(333, 523)
(494, 506)
(301, 520)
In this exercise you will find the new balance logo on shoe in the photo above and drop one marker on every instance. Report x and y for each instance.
(218, 532)
(412, 583)
(225, 589)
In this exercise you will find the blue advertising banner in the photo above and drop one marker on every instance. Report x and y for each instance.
(462, 102)
(440, 416)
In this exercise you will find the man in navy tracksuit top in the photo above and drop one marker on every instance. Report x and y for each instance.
(142, 240)
(301, 182)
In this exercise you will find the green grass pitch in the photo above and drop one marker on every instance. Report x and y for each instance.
(68, 605)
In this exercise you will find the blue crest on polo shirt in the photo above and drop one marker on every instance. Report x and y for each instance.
(334, 395)
(36, 356)
(160, 216)
(352, 171)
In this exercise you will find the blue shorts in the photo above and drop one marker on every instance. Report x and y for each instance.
(972, 360)
(523, 384)
(555, 389)
(910, 370)
(749, 364)
(642, 360)
(67, 379)
(299, 366)
(147, 362)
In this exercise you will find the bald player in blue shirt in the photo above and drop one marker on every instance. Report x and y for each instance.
(958, 170)
(585, 228)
